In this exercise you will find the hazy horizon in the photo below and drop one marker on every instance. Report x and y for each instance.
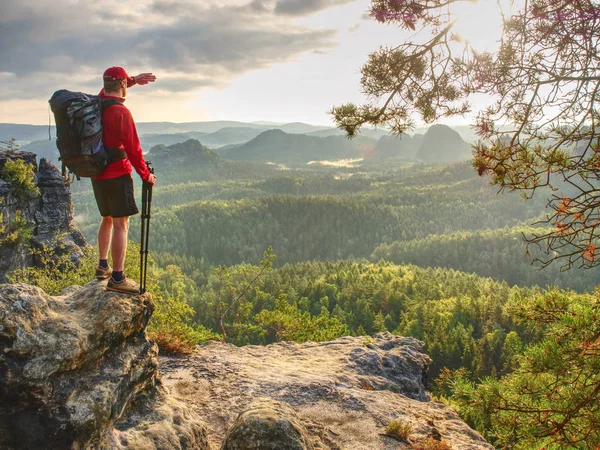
(278, 61)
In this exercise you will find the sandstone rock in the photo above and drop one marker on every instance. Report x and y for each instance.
(267, 425)
(77, 372)
(344, 392)
(50, 214)
(157, 421)
(397, 365)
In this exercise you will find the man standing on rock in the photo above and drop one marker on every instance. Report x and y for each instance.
(113, 188)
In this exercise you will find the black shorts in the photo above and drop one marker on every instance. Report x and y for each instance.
(115, 196)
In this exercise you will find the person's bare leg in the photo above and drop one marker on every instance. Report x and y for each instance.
(119, 242)
(118, 282)
(104, 236)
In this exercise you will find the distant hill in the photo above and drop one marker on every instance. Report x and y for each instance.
(402, 147)
(29, 133)
(186, 127)
(43, 149)
(225, 136)
(190, 161)
(25, 133)
(283, 148)
(150, 140)
(267, 123)
(188, 152)
(213, 134)
(213, 126)
(364, 132)
(229, 136)
(327, 132)
(441, 144)
(417, 139)
(298, 128)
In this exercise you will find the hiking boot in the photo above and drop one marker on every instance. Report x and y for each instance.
(127, 286)
(102, 273)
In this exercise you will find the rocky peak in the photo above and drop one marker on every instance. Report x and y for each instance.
(49, 214)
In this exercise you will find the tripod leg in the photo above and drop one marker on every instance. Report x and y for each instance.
(147, 232)
(143, 237)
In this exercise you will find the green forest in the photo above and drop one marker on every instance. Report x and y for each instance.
(253, 254)
(229, 212)
(480, 240)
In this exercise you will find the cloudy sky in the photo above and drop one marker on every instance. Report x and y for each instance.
(248, 60)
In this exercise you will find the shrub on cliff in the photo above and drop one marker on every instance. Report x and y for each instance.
(16, 232)
(55, 272)
(21, 176)
(170, 326)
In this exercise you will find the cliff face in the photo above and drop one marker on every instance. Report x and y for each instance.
(50, 214)
(77, 372)
(329, 395)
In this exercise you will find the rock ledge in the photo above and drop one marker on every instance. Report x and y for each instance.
(343, 393)
(77, 371)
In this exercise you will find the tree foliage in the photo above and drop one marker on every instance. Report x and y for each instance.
(551, 398)
(542, 129)
(17, 232)
(461, 318)
(498, 254)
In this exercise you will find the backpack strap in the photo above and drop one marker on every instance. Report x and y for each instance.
(114, 154)
(106, 102)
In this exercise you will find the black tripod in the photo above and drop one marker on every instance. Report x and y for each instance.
(146, 204)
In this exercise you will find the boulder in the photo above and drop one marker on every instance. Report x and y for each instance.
(77, 372)
(267, 425)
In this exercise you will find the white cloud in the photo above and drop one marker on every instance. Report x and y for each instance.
(210, 43)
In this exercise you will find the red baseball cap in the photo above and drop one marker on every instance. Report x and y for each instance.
(118, 73)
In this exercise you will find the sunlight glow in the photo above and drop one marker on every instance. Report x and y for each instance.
(479, 23)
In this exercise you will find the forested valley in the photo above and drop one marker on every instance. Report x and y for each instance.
(451, 193)
(230, 212)
(257, 253)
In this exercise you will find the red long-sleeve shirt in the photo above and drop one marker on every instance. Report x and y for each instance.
(118, 131)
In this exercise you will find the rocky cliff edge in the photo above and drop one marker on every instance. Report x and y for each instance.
(77, 372)
(331, 395)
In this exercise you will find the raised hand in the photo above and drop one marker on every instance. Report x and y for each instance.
(144, 78)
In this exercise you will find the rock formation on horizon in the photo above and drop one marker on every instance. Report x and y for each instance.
(182, 153)
(442, 145)
(50, 214)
